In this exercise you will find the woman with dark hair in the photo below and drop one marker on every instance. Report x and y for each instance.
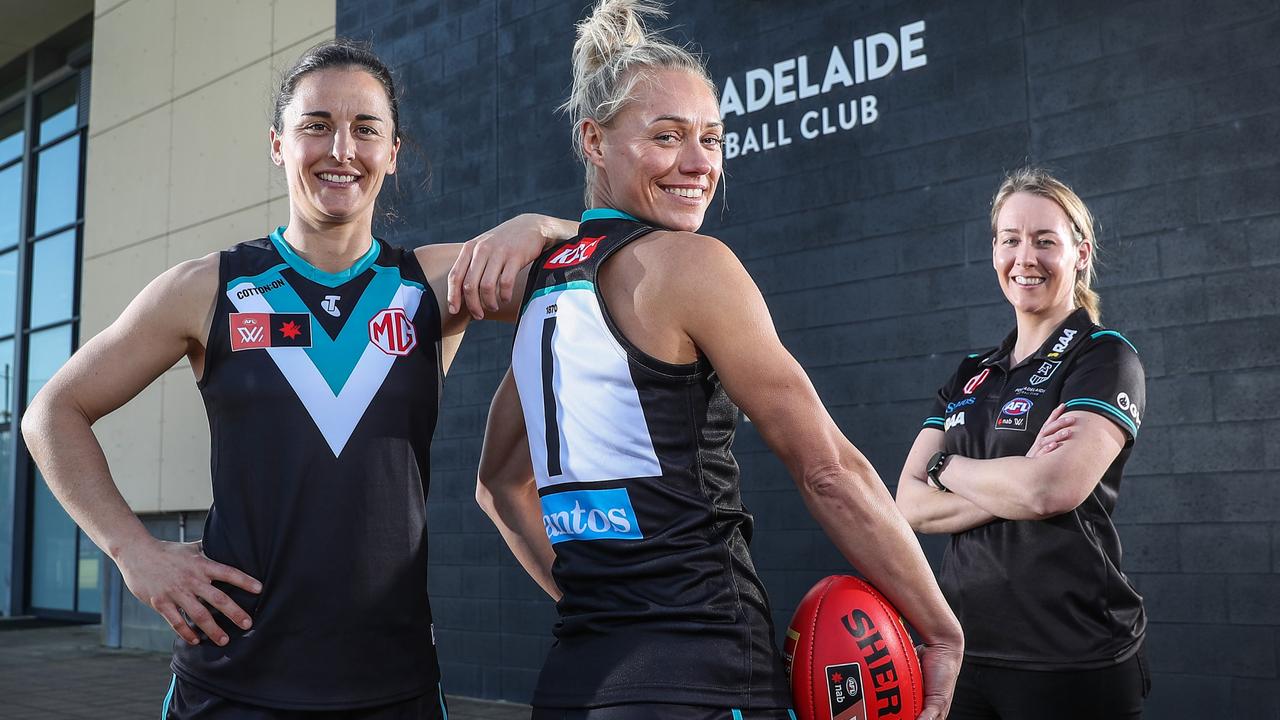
(319, 351)
(637, 343)
(1021, 462)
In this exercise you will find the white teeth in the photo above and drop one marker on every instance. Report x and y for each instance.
(685, 192)
(337, 178)
(1019, 279)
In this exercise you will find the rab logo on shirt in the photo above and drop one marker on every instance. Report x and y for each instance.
(1063, 341)
(392, 332)
(975, 381)
(253, 331)
(574, 254)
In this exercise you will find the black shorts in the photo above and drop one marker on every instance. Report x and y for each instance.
(650, 711)
(189, 702)
(986, 692)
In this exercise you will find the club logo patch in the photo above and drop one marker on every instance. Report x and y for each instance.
(1013, 416)
(254, 331)
(844, 689)
(574, 254)
(975, 381)
(392, 332)
(1045, 371)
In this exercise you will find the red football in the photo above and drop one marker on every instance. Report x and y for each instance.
(850, 657)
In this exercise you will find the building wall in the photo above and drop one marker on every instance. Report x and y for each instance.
(872, 248)
(177, 167)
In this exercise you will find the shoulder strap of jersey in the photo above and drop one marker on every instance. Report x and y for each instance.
(578, 259)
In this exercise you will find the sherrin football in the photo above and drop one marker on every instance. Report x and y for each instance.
(850, 657)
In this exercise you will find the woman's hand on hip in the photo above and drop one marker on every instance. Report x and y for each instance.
(175, 578)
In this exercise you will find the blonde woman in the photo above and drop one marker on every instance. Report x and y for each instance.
(1021, 462)
(638, 341)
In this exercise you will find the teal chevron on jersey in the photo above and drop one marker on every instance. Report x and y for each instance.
(335, 378)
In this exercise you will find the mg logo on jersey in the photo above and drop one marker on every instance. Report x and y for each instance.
(590, 515)
(975, 381)
(574, 254)
(393, 333)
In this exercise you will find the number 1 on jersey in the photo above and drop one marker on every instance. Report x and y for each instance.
(549, 398)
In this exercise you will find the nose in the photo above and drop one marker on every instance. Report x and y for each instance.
(1026, 253)
(696, 158)
(343, 145)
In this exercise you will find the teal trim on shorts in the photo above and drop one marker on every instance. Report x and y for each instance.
(737, 714)
(444, 711)
(1109, 408)
(164, 712)
(1100, 333)
(315, 274)
(606, 214)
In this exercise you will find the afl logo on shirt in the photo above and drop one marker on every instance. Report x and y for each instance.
(574, 254)
(393, 333)
(1013, 416)
(590, 515)
(252, 331)
(975, 381)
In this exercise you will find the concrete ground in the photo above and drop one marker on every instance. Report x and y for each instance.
(50, 673)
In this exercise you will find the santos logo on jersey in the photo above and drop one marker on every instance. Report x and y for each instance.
(590, 515)
(574, 254)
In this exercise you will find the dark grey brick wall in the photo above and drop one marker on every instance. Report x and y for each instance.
(872, 248)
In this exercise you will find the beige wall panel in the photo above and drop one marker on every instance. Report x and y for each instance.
(110, 282)
(219, 234)
(184, 449)
(217, 38)
(102, 7)
(220, 157)
(132, 62)
(278, 211)
(285, 56)
(127, 183)
(131, 435)
(297, 19)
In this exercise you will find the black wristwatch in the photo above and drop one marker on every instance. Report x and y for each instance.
(934, 468)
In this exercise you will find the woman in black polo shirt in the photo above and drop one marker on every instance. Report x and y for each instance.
(1021, 462)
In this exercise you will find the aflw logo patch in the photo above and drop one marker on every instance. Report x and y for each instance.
(574, 254)
(251, 331)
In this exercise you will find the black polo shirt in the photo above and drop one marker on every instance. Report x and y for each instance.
(1044, 594)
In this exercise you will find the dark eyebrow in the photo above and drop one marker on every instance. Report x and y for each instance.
(328, 115)
(1037, 232)
(684, 121)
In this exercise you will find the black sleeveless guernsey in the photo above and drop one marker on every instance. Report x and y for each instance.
(641, 502)
(322, 392)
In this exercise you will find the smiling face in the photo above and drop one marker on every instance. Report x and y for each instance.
(1036, 255)
(336, 145)
(660, 158)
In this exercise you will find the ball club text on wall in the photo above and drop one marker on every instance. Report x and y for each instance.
(796, 79)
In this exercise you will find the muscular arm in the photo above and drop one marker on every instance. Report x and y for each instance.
(505, 487)
(927, 509)
(1034, 488)
(167, 320)
(722, 311)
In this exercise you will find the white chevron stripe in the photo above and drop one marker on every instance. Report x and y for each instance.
(335, 415)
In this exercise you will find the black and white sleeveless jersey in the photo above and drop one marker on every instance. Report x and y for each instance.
(1044, 594)
(322, 392)
(641, 502)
